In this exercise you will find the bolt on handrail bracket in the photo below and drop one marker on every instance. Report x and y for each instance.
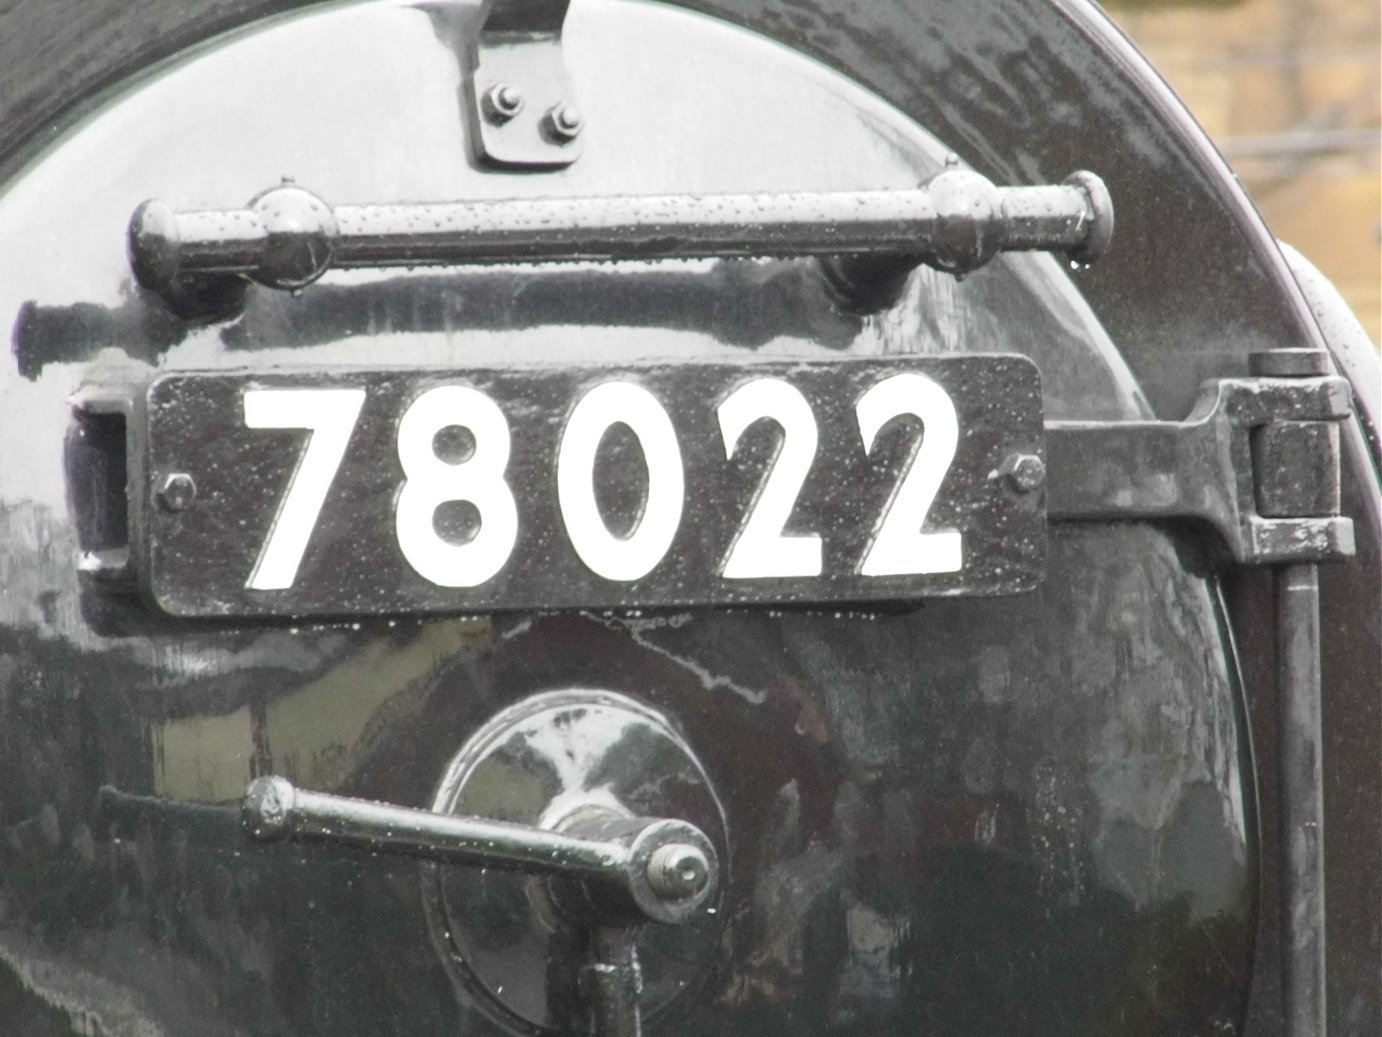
(287, 237)
(520, 105)
(663, 868)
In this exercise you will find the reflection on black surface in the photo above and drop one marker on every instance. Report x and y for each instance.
(974, 817)
(740, 303)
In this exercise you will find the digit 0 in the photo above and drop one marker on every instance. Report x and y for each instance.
(602, 552)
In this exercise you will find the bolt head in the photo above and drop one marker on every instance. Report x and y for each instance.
(1024, 472)
(678, 871)
(176, 492)
(502, 102)
(564, 122)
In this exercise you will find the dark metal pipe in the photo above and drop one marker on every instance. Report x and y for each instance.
(613, 984)
(288, 237)
(1301, 799)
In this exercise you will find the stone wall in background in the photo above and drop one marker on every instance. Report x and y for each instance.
(1291, 91)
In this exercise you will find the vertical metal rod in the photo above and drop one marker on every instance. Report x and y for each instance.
(614, 983)
(1301, 799)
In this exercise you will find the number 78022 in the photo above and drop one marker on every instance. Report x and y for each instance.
(760, 549)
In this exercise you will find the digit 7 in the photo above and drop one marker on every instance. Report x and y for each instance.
(330, 415)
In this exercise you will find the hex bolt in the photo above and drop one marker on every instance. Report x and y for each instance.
(564, 122)
(678, 871)
(1024, 472)
(502, 102)
(177, 491)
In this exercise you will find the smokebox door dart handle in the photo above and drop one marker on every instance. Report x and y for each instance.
(288, 237)
(662, 869)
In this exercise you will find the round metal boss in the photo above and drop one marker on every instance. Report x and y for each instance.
(516, 943)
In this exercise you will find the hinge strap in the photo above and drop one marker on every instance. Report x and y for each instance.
(1258, 459)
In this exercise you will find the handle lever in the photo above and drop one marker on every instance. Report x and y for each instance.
(663, 869)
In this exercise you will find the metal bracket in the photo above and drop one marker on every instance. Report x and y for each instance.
(1258, 458)
(105, 476)
(520, 104)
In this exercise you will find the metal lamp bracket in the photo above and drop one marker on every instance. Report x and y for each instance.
(1258, 459)
(520, 104)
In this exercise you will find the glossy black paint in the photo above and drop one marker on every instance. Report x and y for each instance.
(924, 798)
(844, 829)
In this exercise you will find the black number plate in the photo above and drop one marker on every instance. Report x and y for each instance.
(344, 491)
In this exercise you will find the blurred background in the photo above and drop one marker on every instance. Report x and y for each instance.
(1291, 91)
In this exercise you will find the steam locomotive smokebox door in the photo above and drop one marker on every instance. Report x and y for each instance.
(633, 496)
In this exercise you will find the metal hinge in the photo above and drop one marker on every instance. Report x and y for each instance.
(1258, 459)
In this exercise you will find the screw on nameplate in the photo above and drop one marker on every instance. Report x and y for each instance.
(1024, 472)
(176, 492)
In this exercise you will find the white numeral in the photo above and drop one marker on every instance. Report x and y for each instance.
(330, 414)
(609, 556)
(898, 547)
(761, 549)
(430, 482)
